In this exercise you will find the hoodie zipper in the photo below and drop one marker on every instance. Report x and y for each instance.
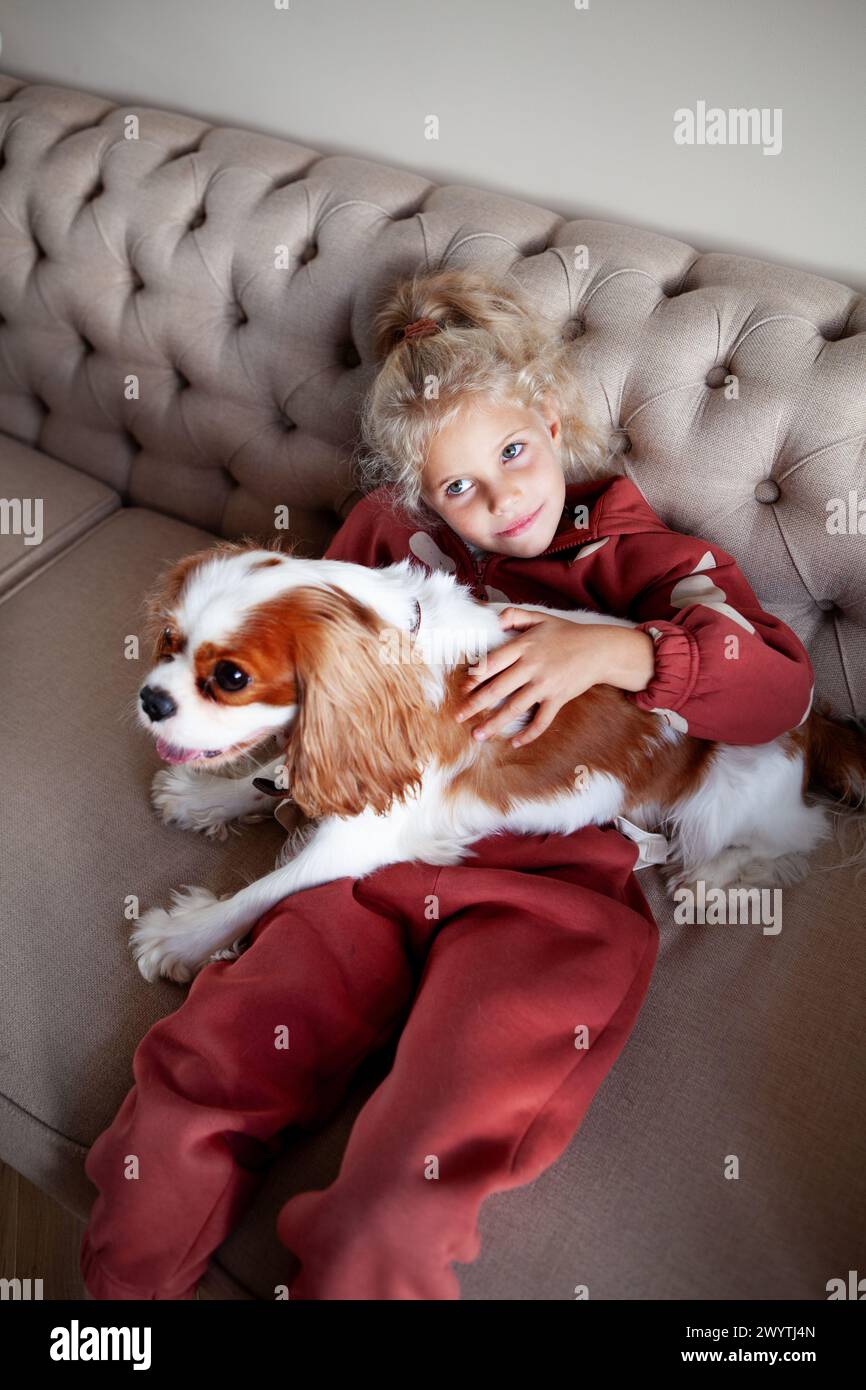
(480, 567)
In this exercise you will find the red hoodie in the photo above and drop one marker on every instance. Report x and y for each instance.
(687, 593)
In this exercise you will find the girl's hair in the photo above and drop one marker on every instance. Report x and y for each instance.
(492, 343)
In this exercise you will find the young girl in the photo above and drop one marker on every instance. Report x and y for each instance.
(511, 981)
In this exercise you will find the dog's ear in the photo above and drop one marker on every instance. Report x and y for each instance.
(159, 605)
(365, 727)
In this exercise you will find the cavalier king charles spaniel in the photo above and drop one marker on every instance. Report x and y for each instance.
(356, 673)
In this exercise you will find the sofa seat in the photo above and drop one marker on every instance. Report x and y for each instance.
(74, 1003)
(731, 1054)
(69, 503)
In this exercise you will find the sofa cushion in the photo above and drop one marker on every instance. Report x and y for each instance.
(78, 834)
(55, 503)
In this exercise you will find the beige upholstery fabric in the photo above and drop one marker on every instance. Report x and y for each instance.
(234, 276)
(62, 504)
(154, 259)
(78, 836)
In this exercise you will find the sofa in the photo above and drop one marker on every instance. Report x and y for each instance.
(185, 339)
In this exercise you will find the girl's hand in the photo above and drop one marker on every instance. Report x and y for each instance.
(551, 662)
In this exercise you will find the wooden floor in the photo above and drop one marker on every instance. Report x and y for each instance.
(40, 1239)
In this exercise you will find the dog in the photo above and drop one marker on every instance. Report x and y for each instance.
(354, 674)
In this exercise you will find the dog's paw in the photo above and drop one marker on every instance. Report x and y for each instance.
(192, 899)
(163, 940)
(154, 956)
(175, 796)
(230, 952)
(203, 802)
(782, 871)
(674, 878)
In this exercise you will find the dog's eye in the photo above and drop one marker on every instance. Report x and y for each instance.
(230, 677)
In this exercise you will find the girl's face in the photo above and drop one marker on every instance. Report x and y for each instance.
(494, 475)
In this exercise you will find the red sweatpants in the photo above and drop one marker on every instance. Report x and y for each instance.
(533, 960)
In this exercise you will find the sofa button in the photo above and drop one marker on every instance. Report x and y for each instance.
(619, 442)
(716, 377)
(768, 490)
(574, 328)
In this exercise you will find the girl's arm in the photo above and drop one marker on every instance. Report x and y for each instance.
(724, 669)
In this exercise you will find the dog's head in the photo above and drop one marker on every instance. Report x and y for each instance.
(252, 643)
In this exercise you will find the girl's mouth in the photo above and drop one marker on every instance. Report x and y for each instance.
(522, 525)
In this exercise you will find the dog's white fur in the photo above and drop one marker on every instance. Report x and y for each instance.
(747, 822)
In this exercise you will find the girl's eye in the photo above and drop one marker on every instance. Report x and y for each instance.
(508, 458)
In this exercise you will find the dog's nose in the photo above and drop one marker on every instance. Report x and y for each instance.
(157, 704)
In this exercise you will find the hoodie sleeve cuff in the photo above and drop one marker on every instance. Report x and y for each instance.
(677, 661)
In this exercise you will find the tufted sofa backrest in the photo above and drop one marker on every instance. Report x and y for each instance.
(187, 316)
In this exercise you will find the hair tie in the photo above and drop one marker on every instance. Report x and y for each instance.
(420, 328)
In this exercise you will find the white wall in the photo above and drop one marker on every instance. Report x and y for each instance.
(571, 109)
